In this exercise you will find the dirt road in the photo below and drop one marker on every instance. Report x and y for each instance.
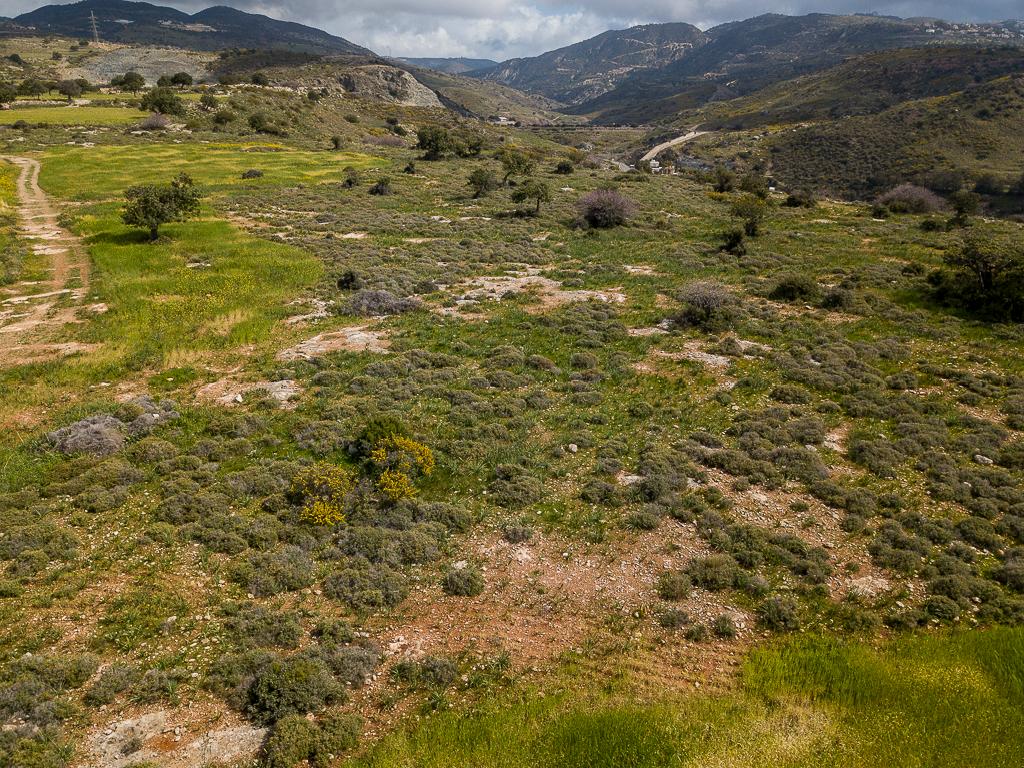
(653, 153)
(31, 312)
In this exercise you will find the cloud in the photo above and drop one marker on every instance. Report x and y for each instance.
(502, 29)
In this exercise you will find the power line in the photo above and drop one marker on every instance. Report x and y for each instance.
(95, 29)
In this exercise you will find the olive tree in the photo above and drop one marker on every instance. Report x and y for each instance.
(150, 205)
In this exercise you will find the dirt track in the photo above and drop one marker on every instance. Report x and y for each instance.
(654, 152)
(30, 312)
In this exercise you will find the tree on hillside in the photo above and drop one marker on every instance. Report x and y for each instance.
(164, 81)
(532, 190)
(515, 162)
(751, 210)
(32, 87)
(722, 179)
(435, 142)
(162, 100)
(150, 205)
(71, 89)
(181, 79)
(8, 93)
(965, 204)
(129, 81)
(985, 275)
(482, 181)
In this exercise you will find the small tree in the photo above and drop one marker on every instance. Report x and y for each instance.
(162, 100)
(130, 81)
(723, 179)
(164, 81)
(482, 181)
(181, 79)
(259, 79)
(965, 204)
(532, 189)
(71, 89)
(32, 87)
(751, 210)
(435, 142)
(515, 162)
(208, 102)
(8, 93)
(150, 205)
(986, 259)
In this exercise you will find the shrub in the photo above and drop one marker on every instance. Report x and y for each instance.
(270, 573)
(795, 287)
(673, 618)
(908, 198)
(564, 168)
(323, 490)
(252, 173)
(292, 740)
(376, 303)
(707, 305)
(673, 585)
(605, 208)
(724, 627)
(364, 585)
(466, 581)
(427, 672)
(294, 686)
(779, 613)
(162, 100)
(155, 122)
(482, 181)
(98, 435)
(800, 198)
(714, 573)
(114, 680)
(256, 626)
(382, 187)
(517, 534)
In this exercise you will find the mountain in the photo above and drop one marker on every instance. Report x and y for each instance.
(864, 85)
(211, 29)
(583, 71)
(745, 56)
(453, 66)
(939, 142)
(652, 73)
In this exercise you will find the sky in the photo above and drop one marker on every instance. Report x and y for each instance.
(502, 29)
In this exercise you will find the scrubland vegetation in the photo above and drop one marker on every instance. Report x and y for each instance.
(453, 445)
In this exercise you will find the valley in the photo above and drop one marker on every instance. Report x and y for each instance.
(367, 412)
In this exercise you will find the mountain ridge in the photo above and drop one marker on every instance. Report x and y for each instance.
(214, 28)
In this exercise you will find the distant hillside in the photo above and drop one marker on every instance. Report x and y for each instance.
(939, 142)
(585, 70)
(456, 66)
(484, 99)
(864, 85)
(212, 29)
(651, 73)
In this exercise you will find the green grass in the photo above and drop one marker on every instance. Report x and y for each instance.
(77, 173)
(87, 115)
(944, 700)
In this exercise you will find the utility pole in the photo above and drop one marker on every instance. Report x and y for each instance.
(95, 29)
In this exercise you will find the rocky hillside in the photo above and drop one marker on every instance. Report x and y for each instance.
(651, 73)
(212, 29)
(586, 70)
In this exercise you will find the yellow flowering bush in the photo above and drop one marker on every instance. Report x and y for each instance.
(323, 489)
(395, 485)
(398, 460)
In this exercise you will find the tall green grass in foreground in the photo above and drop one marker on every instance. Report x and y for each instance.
(952, 700)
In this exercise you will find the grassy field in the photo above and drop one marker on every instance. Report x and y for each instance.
(525, 455)
(71, 115)
(943, 700)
